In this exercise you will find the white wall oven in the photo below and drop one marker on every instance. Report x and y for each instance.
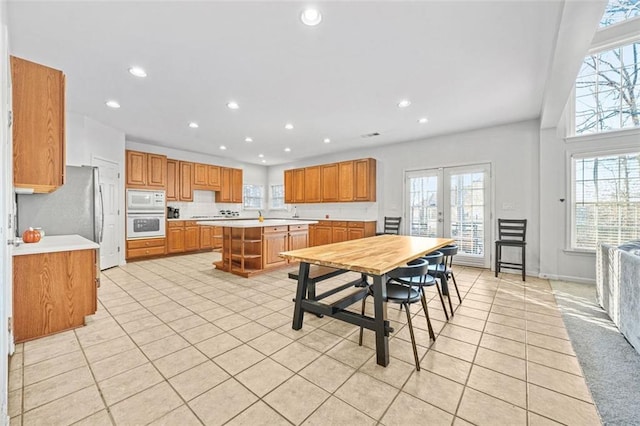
(146, 214)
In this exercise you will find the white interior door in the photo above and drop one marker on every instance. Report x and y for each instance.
(109, 254)
(452, 202)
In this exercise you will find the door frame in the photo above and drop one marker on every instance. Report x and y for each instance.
(118, 199)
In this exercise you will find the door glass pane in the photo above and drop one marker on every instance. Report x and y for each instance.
(423, 206)
(467, 212)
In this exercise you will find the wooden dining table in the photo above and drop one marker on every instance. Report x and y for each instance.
(373, 257)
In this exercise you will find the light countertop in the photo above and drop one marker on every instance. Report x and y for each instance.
(55, 243)
(255, 223)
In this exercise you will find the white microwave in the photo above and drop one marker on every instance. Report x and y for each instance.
(145, 201)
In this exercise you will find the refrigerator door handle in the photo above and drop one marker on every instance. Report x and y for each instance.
(100, 235)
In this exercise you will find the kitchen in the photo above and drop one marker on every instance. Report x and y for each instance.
(100, 136)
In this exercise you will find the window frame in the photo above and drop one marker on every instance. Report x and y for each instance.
(271, 197)
(244, 197)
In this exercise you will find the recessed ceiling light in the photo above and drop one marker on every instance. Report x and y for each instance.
(222, 147)
(404, 103)
(260, 155)
(423, 120)
(248, 139)
(311, 17)
(287, 150)
(193, 125)
(288, 126)
(113, 104)
(138, 72)
(264, 161)
(327, 140)
(233, 105)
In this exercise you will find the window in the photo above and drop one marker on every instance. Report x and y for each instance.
(606, 200)
(619, 10)
(608, 91)
(252, 197)
(277, 197)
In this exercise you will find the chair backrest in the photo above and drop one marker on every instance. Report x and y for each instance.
(448, 252)
(392, 225)
(415, 268)
(434, 258)
(512, 229)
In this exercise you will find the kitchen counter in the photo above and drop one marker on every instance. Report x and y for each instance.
(55, 243)
(255, 223)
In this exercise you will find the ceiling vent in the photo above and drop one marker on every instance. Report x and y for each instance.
(370, 135)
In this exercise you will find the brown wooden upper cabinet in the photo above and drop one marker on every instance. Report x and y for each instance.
(213, 176)
(206, 177)
(231, 186)
(337, 182)
(173, 180)
(38, 126)
(186, 181)
(145, 170)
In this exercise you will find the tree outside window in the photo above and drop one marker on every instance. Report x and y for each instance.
(252, 197)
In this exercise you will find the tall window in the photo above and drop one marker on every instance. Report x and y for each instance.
(606, 200)
(277, 197)
(608, 91)
(252, 197)
(620, 10)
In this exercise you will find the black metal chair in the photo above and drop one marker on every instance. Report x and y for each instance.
(511, 233)
(446, 265)
(436, 271)
(404, 287)
(391, 226)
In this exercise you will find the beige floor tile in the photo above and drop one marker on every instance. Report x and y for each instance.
(468, 322)
(421, 334)
(340, 328)
(374, 401)
(296, 398)
(550, 343)
(49, 347)
(186, 323)
(180, 361)
(162, 347)
(218, 345)
(350, 353)
(506, 332)
(15, 379)
(316, 373)
(555, 319)
(408, 410)
(434, 389)
(182, 416)
(101, 418)
(66, 410)
(230, 322)
(249, 331)
(174, 314)
(107, 349)
(259, 414)
(446, 366)
(270, 342)
(198, 380)
(117, 388)
(152, 334)
(559, 381)
(146, 406)
(549, 330)
(264, 376)
(503, 310)
(481, 409)
(52, 367)
(117, 364)
(537, 420)
(222, 403)
(320, 340)
(15, 361)
(455, 348)
(561, 408)
(56, 387)
(498, 385)
(506, 346)
(470, 312)
(461, 333)
(457, 421)
(202, 332)
(296, 356)
(507, 320)
(142, 324)
(337, 412)
(15, 403)
(276, 320)
(238, 359)
(511, 366)
(395, 374)
(108, 330)
(553, 359)
(398, 348)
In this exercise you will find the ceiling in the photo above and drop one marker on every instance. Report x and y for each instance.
(462, 64)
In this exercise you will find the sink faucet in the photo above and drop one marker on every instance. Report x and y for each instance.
(295, 212)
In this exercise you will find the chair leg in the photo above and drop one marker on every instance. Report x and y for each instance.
(455, 284)
(444, 308)
(523, 261)
(497, 266)
(413, 338)
(364, 299)
(423, 299)
(443, 276)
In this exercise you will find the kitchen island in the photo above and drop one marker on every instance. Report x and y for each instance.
(251, 247)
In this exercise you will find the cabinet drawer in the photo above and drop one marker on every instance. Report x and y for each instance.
(144, 252)
(175, 224)
(273, 229)
(298, 227)
(324, 223)
(191, 223)
(339, 224)
(150, 242)
(356, 224)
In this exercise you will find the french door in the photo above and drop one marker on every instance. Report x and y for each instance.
(452, 202)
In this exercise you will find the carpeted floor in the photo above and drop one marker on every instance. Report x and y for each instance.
(610, 364)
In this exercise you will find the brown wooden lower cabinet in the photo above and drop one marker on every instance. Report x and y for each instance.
(275, 240)
(52, 292)
(206, 237)
(191, 236)
(145, 247)
(334, 231)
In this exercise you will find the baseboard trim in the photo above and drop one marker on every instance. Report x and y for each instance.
(570, 278)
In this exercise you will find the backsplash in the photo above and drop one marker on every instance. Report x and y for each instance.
(204, 204)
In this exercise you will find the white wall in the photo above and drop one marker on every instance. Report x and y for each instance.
(512, 150)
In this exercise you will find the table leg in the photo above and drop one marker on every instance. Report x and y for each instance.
(380, 318)
(301, 293)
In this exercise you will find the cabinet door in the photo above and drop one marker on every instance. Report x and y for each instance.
(355, 233)
(205, 237)
(312, 188)
(156, 171)
(200, 178)
(186, 180)
(224, 195)
(213, 178)
(191, 238)
(273, 245)
(236, 185)
(173, 180)
(329, 183)
(322, 235)
(298, 186)
(298, 240)
(288, 186)
(365, 179)
(216, 236)
(345, 181)
(38, 126)
(339, 233)
(175, 240)
(136, 169)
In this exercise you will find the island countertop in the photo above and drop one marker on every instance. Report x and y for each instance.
(254, 223)
(55, 243)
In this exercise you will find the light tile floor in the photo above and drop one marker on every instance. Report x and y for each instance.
(175, 342)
